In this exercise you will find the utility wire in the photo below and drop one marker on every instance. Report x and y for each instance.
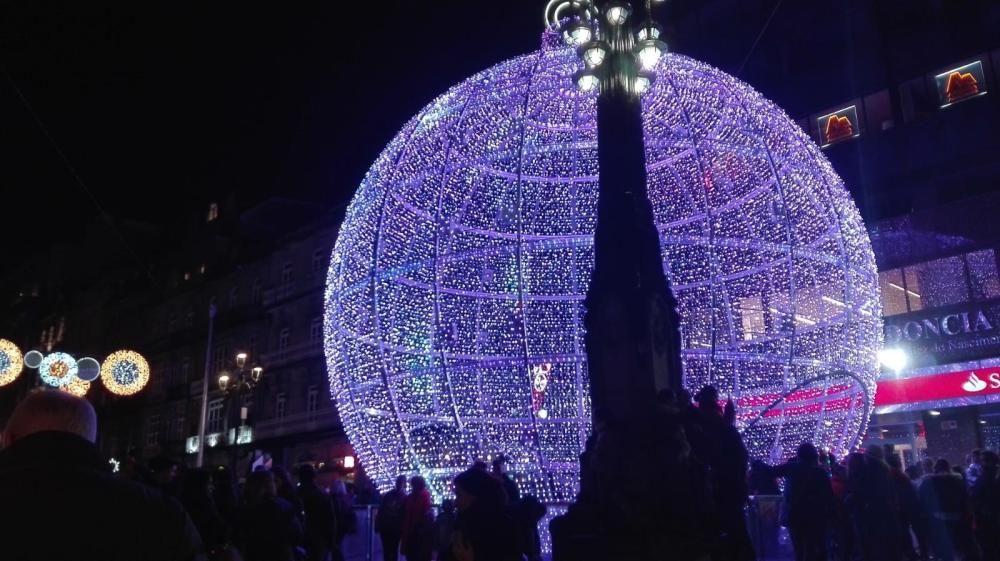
(760, 35)
(76, 175)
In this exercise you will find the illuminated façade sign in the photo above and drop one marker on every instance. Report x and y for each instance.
(961, 83)
(840, 125)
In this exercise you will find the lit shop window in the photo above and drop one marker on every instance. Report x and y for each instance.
(213, 212)
(838, 126)
(959, 84)
(941, 282)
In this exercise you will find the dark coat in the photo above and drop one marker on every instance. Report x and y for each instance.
(268, 530)
(321, 521)
(62, 502)
(809, 501)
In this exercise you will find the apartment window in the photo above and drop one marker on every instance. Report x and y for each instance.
(316, 331)
(213, 212)
(279, 406)
(186, 370)
(234, 297)
(153, 431)
(286, 279)
(201, 270)
(318, 260)
(215, 416)
(312, 400)
(255, 292)
(221, 356)
(283, 337)
(187, 275)
(179, 430)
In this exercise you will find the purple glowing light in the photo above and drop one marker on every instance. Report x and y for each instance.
(463, 261)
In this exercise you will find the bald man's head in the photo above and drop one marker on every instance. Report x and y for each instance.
(48, 410)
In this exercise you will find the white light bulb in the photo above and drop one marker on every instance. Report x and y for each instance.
(588, 82)
(649, 55)
(893, 359)
(642, 84)
(594, 56)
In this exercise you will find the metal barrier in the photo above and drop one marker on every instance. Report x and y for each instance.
(770, 539)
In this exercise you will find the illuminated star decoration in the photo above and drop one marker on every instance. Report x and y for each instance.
(465, 257)
(57, 369)
(539, 381)
(11, 362)
(125, 373)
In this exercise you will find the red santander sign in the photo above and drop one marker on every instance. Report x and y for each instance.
(949, 385)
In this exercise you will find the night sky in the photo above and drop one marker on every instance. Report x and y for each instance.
(162, 107)
(158, 108)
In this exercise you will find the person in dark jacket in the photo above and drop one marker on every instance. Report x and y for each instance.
(321, 520)
(417, 539)
(761, 479)
(908, 508)
(485, 530)
(63, 502)
(509, 486)
(267, 528)
(718, 444)
(287, 489)
(946, 509)
(389, 520)
(224, 494)
(809, 503)
(196, 497)
(444, 527)
(985, 496)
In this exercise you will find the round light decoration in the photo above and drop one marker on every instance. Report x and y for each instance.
(77, 387)
(33, 359)
(125, 373)
(57, 369)
(11, 362)
(88, 369)
(454, 304)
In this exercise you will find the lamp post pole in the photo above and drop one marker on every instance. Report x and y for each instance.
(204, 386)
(632, 338)
(235, 390)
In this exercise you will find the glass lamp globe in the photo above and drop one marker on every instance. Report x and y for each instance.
(648, 52)
(594, 53)
(577, 34)
(618, 12)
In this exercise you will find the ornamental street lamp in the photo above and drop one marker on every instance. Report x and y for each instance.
(237, 386)
(632, 336)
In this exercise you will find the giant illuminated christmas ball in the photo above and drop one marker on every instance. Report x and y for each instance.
(454, 304)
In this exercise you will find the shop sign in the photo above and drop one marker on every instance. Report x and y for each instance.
(949, 385)
(958, 84)
(839, 125)
(944, 331)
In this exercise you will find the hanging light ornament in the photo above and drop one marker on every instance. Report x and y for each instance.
(11, 362)
(125, 373)
(57, 369)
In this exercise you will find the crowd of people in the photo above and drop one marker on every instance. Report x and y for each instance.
(864, 508)
(488, 520)
(869, 508)
(65, 503)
